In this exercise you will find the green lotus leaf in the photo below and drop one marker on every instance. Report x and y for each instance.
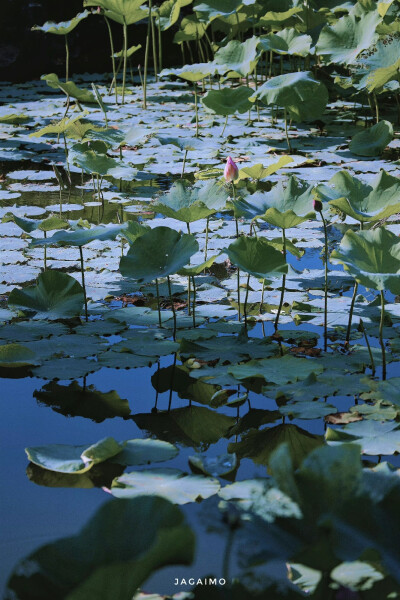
(169, 11)
(240, 58)
(279, 20)
(372, 141)
(379, 411)
(69, 88)
(193, 426)
(181, 143)
(14, 119)
(64, 27)
(260, 445)
(16, 356)
(92, 161)
(257, 257)
(227, 348)
(276, 370)
(74, 400)
(300, 94)
(66, 368)
(100, 476)
(258, 171)
(372, 258)
(386, 391)
(145, 451)
(314, 387)
(193, 73)
(343, 41)
(122, 11)
(381, 66)
(59, 127)
(73, 459)
(80, 236)
(197, 269)
(158, 253)
(363, 202)
(307, 410)
(171, 484)
(129, 52)
(209, 10)
(54, 295)
(145, 343)
(282, 207)
(189, 204)
(374, 437)
(228, 101)
(76, 345)
(118, 549)
(191, 29)
(27, 331)
(287, 41)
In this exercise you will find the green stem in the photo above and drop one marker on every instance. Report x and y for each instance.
(158, 303)
(66, 58)
(262, 296)
(238, 292)
(286, 133)
(184, 163)
(45, 252)
(225, 124)
(153, 39)
(159, 44)
(326, 285)
(283, 283)
(206, 244)
(194, 301)
(146, 64)
(196, 108)
(381, 341)
(376, 108)
(368, 346)
(125, 31)
(245, 301)
(83, 282)
(172, 306)
(112, 58)
(353, 300)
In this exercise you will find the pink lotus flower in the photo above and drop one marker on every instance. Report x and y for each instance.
(231, 170)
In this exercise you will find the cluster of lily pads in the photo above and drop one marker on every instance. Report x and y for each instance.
(207, 284)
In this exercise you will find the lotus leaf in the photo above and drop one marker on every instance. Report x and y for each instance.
(372, 258)
(158, 253)
(228, 101)
(125, 12)
(257, 257)
(171, 484)
(373, 141)
(64, 27)
(55, 295)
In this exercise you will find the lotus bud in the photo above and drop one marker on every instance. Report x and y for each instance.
(231, 170)
(317, 205)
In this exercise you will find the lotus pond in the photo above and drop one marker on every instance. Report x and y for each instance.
(199, 306)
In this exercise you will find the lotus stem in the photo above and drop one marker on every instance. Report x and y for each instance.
(172, 306)
(112, 58)
(189, 285)
(286, 132)
(194, 301)
(283, 282)
(153, 39)
(66, 58)
(245, 301)
(262, 296)
(184, 163)
(159, 44)
(381, 341)
(206, 243)
(353, 300)
(45, 252)
(225, 124)
(368, 346)
(171, 383)
(326, 285)
(146, 63)
(83, 282)
(376, 108)
(125, 31)
(196, 108)
(158, 303)
(238, 292)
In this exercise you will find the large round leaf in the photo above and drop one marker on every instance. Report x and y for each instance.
(55, 295)
(299, 93)
(158, 253)
(372, 257)
(228, 101)
(373, 141)
(363, 202)
(288, 41)
(257, 257)
(64, 27)
(171, 484)
(189, 204)
(343, 41)
(80, 236)
(122, 11)
(111, 557)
